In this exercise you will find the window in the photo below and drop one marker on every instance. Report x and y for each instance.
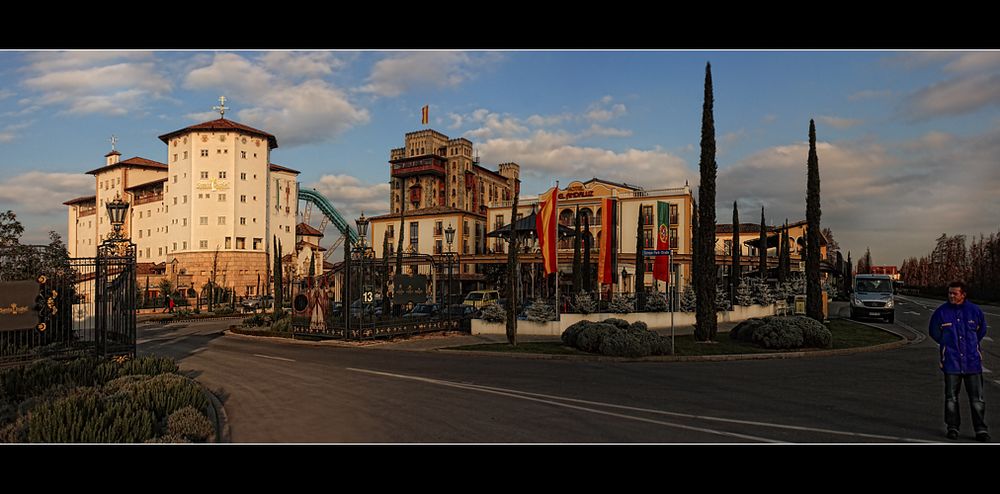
(222, 197)
(465, 246)
(389, 230)
(243, 154)
(175, 156)
(243, 198)
(140, 233)
(175, 246)
(414, 232)
(203, 244)
(204, 152)
(229, 242)
(222, 220)
(140, 215)
(175, 178)
(647, 239)
(465, 227)
(204, 175)
(673, 238)
(175, 201)
(288, 229)
(185, 199)
(673, 214)
(243, 176)
(727, 247)
(222, 174)
(159, 251)
(243, 220)
(203, 220)
(147, 251)
(241, 243)
(148, 231)
(438, 249)
(647, 215)
(185, 155)
(184, 245)
(437, 228)
(185, 220)
(256, 243)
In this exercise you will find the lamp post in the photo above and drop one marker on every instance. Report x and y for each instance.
(361, 253)
(449, 235)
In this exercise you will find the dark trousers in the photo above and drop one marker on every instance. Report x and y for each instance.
(974, 389)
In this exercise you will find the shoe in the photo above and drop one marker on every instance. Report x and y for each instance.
(983, 437)
(952, 434)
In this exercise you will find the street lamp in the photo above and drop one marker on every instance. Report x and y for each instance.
(116, 211)
(449, 235)
(624, 272)
(362, 223)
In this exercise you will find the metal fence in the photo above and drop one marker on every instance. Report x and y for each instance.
(84, 306)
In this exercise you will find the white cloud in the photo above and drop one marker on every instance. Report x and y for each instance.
(6, 93)
(895, 197)
(955, 97)
(297, 113)
(400, 73)
(770, 118)
(302, 64)
(869, 94)
(21, 193)
(547, 120)
(44, 62)
(597, 130)
(456, 121)
(115, 89)
(10, 132)
(495, 125)
(350, 196)
(555, 155)
(605, 114)
(840, 123)
(973, 61)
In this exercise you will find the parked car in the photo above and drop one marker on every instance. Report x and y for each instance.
(254, 303)
(461, 311)
(423, 310)
(359, 308)
(480, 298)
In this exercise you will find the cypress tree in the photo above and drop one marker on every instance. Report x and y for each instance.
(640, 267)
(814, 300)
(735, 251)
(512, 273)
(848, 274)
(762, 242)
(706, 324)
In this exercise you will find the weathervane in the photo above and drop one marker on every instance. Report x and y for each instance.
(222, 106)
(114, 140)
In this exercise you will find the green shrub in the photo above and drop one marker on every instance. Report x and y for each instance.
(744, 331)
(622, 304)
(493, 313)
(569, 336)
(779, 333)
(257, 320)
(283, 325)
(87, 416)
(189, 424)
(589, 340)
(618, 323)
(656, 302)
(620, 342)
(224, 311)
(814, 333)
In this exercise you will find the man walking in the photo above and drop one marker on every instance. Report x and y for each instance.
(958, 326)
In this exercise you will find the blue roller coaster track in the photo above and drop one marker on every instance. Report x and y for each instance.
(330, 212)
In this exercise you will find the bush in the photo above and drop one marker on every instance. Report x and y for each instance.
(622, 305)
(283, 325)
(569, 336)
(744, 331)
(224, 311)
(584, 303)
(814, 333)
(656, 302)
(616, 338)
(783, 332)
(257, 320)
(614, 321)
(779, 333)
(85, 415)
(541, 311)
(190, 425)
(493, 313)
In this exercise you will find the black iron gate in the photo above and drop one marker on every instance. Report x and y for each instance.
(81, 306)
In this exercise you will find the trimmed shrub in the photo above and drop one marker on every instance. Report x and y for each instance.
(616, 338)
(779, 333)
(190, 425)
(814, 333)
(584, 303)
(744, 331)
(589, 340)
(614, 321)
(257, 320)
(656, 302)
(224, 311)
(283, 325)
(569, 335)
(493, 313)
(86, 416)
(541, 311)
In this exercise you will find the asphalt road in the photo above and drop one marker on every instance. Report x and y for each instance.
(290, 392)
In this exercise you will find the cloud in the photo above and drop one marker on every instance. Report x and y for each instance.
(21, 193)
(302, 64)
(44, 62)
(297, 113)
(556, 155)
(69, 80)
(605, 114)
(597, 130)
(10, 132)
(770, 118)
(869, 94)
(957, 96)
(400, 73)
(495, 125)
(547, 120)
(974, 61)
(895, 197)
(840, 123)
(350, 196)
(6, 93)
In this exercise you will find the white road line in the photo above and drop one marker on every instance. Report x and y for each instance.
(987, 338)
(987, 371)
(911, 312)
(525, 395)
(196, 350)
(996, 381)
(273, 358)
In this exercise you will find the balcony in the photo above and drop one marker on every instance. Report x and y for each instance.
(421, 166)
(147, 198)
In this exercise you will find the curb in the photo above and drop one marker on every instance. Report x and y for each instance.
(222, 431)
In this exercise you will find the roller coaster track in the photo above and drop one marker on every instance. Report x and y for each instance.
(330, 212)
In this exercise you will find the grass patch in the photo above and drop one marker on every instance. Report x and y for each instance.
(544, 347)
(849, 334)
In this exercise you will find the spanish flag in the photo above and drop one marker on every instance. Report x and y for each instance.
(424, 111)
(546, 227)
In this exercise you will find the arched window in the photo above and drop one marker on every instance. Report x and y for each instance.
(566, 217)
(588, 214)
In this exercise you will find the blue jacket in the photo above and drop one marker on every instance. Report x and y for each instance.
(958, 329)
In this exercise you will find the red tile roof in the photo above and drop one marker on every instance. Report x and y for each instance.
(133, 161)
(223, 125)
(304, 229)
(279, 168)
(80, 199)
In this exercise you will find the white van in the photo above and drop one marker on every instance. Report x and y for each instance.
(872, 296)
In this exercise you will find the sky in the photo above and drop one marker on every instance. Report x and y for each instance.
(908, 141)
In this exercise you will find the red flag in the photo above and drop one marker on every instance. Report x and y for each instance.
(423, 117)
(546, 228)
(605, 263)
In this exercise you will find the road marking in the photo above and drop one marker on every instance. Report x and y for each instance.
(911, 312)
(996, 381)
(196, 350)
(273, 358)
(987, 338)
(527, 396)
(987, 371)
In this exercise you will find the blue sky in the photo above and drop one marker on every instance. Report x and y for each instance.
(908, 141)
